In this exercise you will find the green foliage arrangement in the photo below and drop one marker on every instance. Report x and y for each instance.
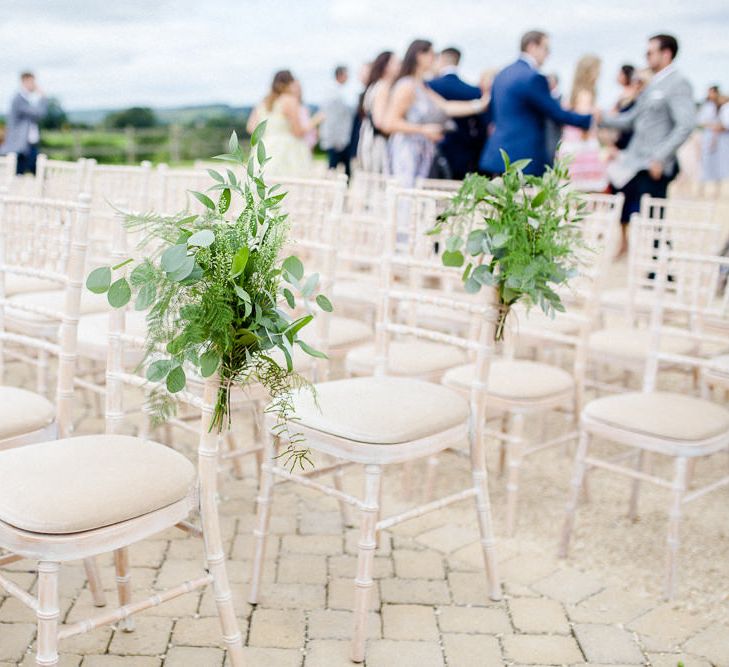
(216, 290)
(517, 233)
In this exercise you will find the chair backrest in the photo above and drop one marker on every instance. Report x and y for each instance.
(46, 239)
(170, 192)
(681, 210)
(400, 294)
(649, 235)
(445, 184)
(122, 348)
(59, 179)
(703, 300)
(8, 165)
(366, 194)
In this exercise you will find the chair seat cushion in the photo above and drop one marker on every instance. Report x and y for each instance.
(631, 343)
(17, 284)
(661, 414)
(93, 341)
(23, 411)
(620, 297)
(380, 410)
(515, 378)
(344, 331)
(87, 482)
(53, 300)
(355, 291)
(412, 357)
(719, 365)
(535, 318)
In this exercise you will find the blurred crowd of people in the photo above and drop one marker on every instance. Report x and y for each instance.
(417, 118)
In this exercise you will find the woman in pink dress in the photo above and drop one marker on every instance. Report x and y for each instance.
(588, 166)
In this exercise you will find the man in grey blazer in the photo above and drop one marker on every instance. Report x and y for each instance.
(662, 119)
(22, 134)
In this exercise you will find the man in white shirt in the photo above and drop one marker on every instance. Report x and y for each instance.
(335, 132)
(22, 134)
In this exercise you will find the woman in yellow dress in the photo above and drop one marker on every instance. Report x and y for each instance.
(285, 133)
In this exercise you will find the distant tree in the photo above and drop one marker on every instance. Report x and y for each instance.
(133, 117)
(55, 117)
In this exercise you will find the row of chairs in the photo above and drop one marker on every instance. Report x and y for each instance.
(421, 314)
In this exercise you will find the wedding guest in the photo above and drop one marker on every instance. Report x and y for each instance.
(662, 119)
(629, 84)
(372, 152)
(335, 133)
(363, 77)
(520, 104)
(587, 168)
(711, 146)
(312, 136)
(462, 147)
(285, 133)
(552, 129)
(416, 115)
(22, 134)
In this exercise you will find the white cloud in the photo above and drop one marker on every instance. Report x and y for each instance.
(165, 53)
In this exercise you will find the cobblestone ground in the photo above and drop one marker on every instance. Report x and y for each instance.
(430, 608)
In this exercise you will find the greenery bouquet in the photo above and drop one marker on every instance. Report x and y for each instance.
(518, 233)
(216, 290)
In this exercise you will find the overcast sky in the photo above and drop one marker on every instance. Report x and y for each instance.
(107, 54)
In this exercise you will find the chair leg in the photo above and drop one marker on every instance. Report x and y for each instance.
(483, 506)
(515, 456)
(42, 373)
(430, 471)
(94, 579)
(236, 461)
(123, 585)
(215, 558)
(364, 582)
(407, 479)
(576, 486)
(344, 509)
(47, 614)
(635, 490)
(260, 532)
(503, 445)
(674, 517)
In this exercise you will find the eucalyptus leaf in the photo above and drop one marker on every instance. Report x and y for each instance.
(310, 350)
(216, 176)
(158, 370)
(183, 271)
(258, 133)
(240, 259)
(289, 298)
(209, 362)
(454, 258)
(174, 257)
(202, 239)
(119, 293)
(99, 280)
(293, 266)
(224, 201)
(146, 296)
(176, 380)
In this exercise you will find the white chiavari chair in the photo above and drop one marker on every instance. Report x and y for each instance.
(624, 344)
(520, 389)
(131, 488)
(411, 213)
(691, 226)
(59, 179)
(384, 420)
(58, 257)
(444, 184)
(673, 424)
(8, 166)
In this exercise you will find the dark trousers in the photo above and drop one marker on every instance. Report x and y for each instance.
(339, 157)
(27, 160)
(642, 184)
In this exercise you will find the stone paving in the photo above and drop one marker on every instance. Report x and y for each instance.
(430, 607)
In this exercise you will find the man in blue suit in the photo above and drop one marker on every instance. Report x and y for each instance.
(462, 146)
(520, 105)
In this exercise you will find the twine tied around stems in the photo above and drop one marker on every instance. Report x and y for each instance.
(503, 313)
